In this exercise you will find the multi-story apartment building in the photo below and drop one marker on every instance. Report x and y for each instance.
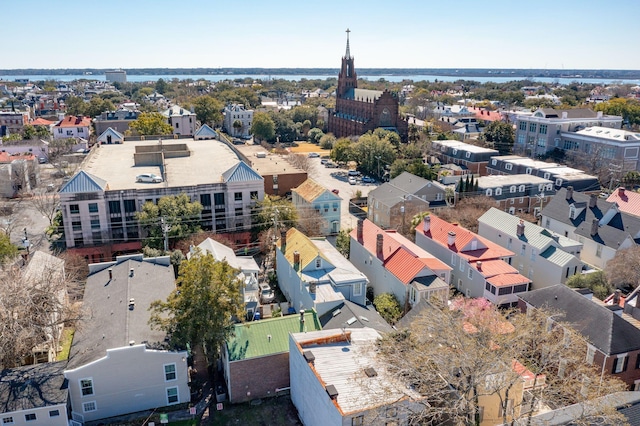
(544, 257)
(100, 202)
(539, 133)
(620, 147)
(517, 193)
(237, 113)
(116, 76)
(474, 158)
(12, 121)
(562, 176)
(182, 120)
(118, 120)
(481, 268)
(72, 127)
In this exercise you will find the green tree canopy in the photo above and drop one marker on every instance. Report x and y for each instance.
(203, 308)
(98, 105)
(314, 135)
(342, 150)
(373, 153)
(31, 132)
(629, 109)
(180, 215)
(343, 242)
(151, 123)
(263, 126)
(8, 250)
(595, 281)
(388, 307)
(501, 136)
(208, 110)
(274, 209)
(75, 105)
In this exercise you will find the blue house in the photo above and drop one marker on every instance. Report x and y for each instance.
(311, 195)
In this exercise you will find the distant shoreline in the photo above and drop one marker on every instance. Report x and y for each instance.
(462, 73)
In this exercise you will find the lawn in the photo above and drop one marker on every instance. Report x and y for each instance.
(65, 343)
(271, 411)
(309, 147)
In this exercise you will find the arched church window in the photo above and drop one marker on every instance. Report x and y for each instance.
(385, 118)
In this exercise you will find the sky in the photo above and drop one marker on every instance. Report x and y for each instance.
(545, 34)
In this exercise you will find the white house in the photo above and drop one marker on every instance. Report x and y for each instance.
(181, 120)
(313, 274)
(241, 117)
(395, 265)
(117, 363)
(72, 127)
(311, 196)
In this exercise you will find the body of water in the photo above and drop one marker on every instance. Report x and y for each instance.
(296, 77)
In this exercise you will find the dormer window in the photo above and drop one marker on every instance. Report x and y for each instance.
(468, 155)
(521, 189)
(489, 192)
(512, 189)
(529, 170)
(455, 151)
(572, 212)
(498, 191)
(494, 162)
(508, 166)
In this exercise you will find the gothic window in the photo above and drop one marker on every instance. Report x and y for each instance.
(385, 118)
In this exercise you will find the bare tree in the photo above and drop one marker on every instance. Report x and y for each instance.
(624, 269)
(310, 222)
(45, 203)
(12, 218)
(467, 211)
(300, 161)
(468, 358)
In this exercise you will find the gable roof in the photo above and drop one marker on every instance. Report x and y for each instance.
(176, 110)
(241, 172)
(221, 252)
(268, 336)
(298, 242)
(44, 266)
(628, 201)
(41, 122)
(310, 190)
(73, 121)
(604, 329)
(33, 386)
(351, 315)
(112, 133)
(84, 182)
(109, 322)
(205, 130)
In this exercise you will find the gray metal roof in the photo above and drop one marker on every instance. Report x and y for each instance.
(84, 182)
(33, 386)
(241, 172)
(365, 316)
(108, 322)
(205, 130)
(604, 329)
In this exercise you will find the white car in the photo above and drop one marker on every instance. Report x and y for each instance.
(148, 177)
(352, 180)
(313, 155)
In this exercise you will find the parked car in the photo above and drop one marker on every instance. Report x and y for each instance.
(149, 178)
(42, 160)
(352, 180)
(354, 173)
(368, 179)
(266, 294)
(324, 161)
(330, 165)
(313, 155)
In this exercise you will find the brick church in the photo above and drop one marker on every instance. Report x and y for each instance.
(358, 111)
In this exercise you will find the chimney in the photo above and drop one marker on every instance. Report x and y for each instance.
(479, 265)
(593, 201)
(296, 259)
(621, 191)
(426, 223)
(451, 239)
(594, 226)
(131, 272)
(283, 240)
(312, 287)
(616, 297)
(520, 229)
(379, 241)
(569, 192)
(110, 274)
(360, 228)
(302, 316)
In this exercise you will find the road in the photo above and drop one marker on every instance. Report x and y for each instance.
(337, 179)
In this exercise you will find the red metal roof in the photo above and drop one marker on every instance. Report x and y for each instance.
(41, 122)
(404, 266)
(73, 121)
(6, 158)
(483, 114)
(627, 201)
(505, 280)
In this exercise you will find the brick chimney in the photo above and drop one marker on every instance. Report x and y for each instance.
(479, 265)
(379, 241)
(593, 201)
(569, 192)
(283, 241)
(296, 260)
(360, 228)
(520, 229)
(594, 226)
(426, 223)
(621, 191)
(451, 238)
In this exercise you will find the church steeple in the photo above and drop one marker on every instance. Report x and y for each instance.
(347, 79)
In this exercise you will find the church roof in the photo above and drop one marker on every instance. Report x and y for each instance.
(362, 94)
(241, 172)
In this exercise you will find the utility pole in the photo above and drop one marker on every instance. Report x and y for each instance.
(613, 168)
(165, 233)
(378, 158)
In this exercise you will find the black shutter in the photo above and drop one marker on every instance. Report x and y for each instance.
(626, 361)
(615, 363)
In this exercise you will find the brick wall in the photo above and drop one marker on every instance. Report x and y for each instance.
(258, 376)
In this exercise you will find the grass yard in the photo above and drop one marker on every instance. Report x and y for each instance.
(304, 147)
(65, 343)
(271, 411)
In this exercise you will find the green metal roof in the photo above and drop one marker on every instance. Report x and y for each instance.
(251, 339)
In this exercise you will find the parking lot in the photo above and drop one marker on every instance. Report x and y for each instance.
(338, 179)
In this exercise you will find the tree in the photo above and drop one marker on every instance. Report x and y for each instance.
(204, 307)
(373, 152)
(462, 356)
(97, 105)
(311, 223)
(208, 110)
(467, 211)
(595, 281)
(179, 214)
(388, 307)
(501, 136)
(314, 135)
(343, 242)
(151, 123)
(263, 127)
(161, 86)
(237, 127)
(274, 211)
(31, 132)
(327, 141)
(75, 105)
(629, 109)
(342, 150)
(45, 203)
(8, 250)
(300, 161)
(624, 269)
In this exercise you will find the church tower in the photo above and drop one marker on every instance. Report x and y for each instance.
(347, 79)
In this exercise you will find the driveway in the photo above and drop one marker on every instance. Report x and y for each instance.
(338, 179)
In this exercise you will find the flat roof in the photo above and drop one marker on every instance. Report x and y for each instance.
(501, 180)
(272, 164)
(465, 146)
(207, 161)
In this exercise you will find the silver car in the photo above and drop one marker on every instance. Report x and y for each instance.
(149, 178)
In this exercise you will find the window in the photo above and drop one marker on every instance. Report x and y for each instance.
(523, 125)
(318, 263)
(74, 209)
(498, 191)
(86, 387)
(30, 417)
(468, 155)
(90, 406)
(129, 206)
(239, 211)
(357, 289)
(169, 372)
(470, 273)
(534, 253)
(523, 249)
(172, 396)
(461, 266)
(205, 200)
(237, 196)
(93, 207)
(509, 242)
(95, 223)
(520, 288)
(521, 188)
(76, 225)
(7, 420)
(512, 200)
(599, 250)
(253, 195)
(620, 364)
(532, 127)
(489, 192)
(505, 290)
(453, 259)
(508, 166)
(114, 207)
(543, 129)
(494, 162)
(54, 413)
(357, 421)
(413, 294)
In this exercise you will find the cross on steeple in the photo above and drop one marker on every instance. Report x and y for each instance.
(348, 54)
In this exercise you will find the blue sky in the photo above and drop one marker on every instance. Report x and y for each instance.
(301, 33)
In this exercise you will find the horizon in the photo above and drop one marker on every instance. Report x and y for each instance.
(296, 35)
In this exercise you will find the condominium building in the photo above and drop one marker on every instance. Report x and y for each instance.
(620, 147)
(182, 120)
(237, 120)
(473, 158)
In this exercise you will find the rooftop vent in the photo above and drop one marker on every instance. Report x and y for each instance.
(370, 372)
(132, 342)
(309, 356)
(332, 391)
(336, 312)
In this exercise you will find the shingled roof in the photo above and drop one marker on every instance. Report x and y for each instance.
(33, 386)
(604, 329)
